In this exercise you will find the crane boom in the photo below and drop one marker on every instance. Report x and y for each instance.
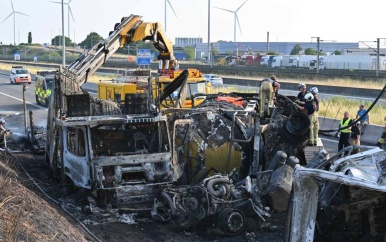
(131, 29)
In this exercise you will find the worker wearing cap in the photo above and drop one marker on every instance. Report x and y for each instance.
(309, 108)
(268, 87)
(302, 92)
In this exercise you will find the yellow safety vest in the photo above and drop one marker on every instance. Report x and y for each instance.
(344, 125)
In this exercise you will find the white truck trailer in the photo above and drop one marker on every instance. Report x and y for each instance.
(350, 62)
(290, 61)
(305, 61)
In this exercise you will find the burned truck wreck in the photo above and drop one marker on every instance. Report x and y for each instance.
(217, 163)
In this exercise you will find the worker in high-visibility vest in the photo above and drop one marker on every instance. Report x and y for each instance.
(381, 140)
(344, 139)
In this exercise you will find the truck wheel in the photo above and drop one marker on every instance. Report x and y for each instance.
(37, 99)
(46, 101)
(10, 79)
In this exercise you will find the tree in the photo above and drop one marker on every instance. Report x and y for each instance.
(190, 52)
(272, 52)
(296, 50)
(29, 38)
(57, 40)
(91, 40)
(337, 52)
(215, 52)
(310, 51)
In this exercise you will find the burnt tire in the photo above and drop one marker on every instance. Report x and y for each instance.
(231, 221)
(37, 99)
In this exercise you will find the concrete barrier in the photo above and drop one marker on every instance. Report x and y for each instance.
(371, 134)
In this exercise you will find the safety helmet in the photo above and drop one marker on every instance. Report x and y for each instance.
(314, 90)
(301, 85)
(2, 121)
(273, 77)
(309, 97)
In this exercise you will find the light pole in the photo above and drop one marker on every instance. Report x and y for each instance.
(209, 51)
(63, 38)
(317, 54)
(378, 49)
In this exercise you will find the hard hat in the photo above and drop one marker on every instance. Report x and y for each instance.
(301, 85)
(2, 121)
(309, 97)
(273, 77)
(314, 90)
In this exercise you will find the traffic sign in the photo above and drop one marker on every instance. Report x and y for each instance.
(143, 57)
(17, 55)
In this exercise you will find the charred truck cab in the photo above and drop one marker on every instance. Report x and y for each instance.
(122, 155)
(125, 158)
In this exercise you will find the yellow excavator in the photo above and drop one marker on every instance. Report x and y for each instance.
(168, 70)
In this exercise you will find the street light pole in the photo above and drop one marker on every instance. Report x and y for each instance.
(317, 54)
(377, 69)
(209, 49)
(63, 38)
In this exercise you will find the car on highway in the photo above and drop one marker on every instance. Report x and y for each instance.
(213, 79)
(19, 75)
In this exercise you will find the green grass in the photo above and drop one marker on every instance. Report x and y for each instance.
(336, 106)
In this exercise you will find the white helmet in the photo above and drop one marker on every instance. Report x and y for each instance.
(309, 97)
(2, 121)
(301, 85)
(314, 90)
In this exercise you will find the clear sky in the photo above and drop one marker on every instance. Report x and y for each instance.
(285, 20)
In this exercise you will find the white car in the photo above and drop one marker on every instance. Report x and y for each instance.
(213, 79)
(19, 75)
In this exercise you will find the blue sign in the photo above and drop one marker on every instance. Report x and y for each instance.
(143, 56)
(17, 55)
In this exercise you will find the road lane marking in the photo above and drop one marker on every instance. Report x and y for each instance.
(330, 140)
(35, 105)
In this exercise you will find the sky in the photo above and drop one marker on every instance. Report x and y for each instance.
(285, 20)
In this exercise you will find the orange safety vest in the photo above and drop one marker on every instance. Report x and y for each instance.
(344, 125)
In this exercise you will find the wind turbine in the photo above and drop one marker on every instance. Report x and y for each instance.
(69, 12)
(167, 1)
(236, 18)
(14, 22)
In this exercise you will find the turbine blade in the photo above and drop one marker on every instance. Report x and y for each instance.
(69, 8)
(69, 2)
(12, 6)
(225, 9)
(7, 17)
(171, 7)
(56, 2)
(22, 13)
(238, 23)
(241, 5)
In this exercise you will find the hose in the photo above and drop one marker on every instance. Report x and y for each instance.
(54, 200)
(357, 120)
